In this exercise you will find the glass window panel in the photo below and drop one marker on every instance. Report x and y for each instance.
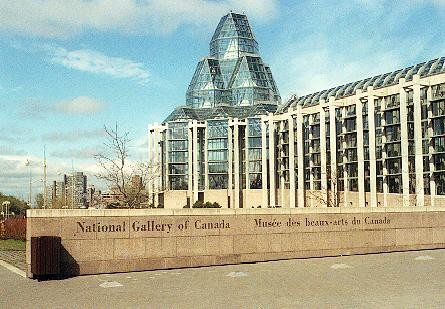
(218, 181)
(255, 181)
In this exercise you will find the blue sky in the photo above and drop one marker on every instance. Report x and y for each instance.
(67, 68)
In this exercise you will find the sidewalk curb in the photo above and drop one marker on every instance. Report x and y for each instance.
(13, 268)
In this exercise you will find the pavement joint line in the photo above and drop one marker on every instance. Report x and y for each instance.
(424, 258)
(340, 266)
(110, 284)
(236, 274)
(13, 268)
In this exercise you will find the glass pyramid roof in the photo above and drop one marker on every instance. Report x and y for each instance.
(234, 74)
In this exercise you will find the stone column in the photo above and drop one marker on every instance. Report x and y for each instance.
(281, 127)
(385, 172)
(360, 150)
(420, 195)
(292, 189)
(190, 162)
(151, 144)
(206, 157)
(300, 158)
(158, 138)
(153, 159)
(264, 191)
(273, 200)
(195, 161)
(236, 160)
(311, 163)
(161, 183)
(246, 156)
(230, 163)
(333, 142)
(404, 142)
(324, 178)
(432, 168)
(372, 147)
(344, 160)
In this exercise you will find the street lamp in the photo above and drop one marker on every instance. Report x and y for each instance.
(28, 164)
(6, 205)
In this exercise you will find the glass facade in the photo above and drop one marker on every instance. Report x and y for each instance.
(254, 153)
(207, 87)
(233, 36)
(178, 156)
(437, 113)
(234, 73)
(217, 153)
(388, 134)
(388, 126)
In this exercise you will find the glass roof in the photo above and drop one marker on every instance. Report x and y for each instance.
(241, 112)
(234, 73)
(233, 36)
(429, 68)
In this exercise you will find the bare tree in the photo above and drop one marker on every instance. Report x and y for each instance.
(331, 196)
(128, 178)
(415, 187)
(39, 200)
(58, 203)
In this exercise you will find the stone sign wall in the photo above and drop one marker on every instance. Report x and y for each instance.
(106, 241)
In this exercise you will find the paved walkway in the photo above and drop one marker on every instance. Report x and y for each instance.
(395, 280)
(15, 258)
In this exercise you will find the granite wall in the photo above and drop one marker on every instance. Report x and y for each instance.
(107, 241)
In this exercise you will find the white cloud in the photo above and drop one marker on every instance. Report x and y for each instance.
(53, 18)
(10, 150)
(326, 57)
(79, 105)
(77, 153)
(34, 109)
(380, 4)
(311, 71)
(82, 105)
(91, 61)
(139, 148)
(14, 178)
(372, 4)
(15, 134)
(74, 136)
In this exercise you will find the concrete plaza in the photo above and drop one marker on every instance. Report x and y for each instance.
(395, 280)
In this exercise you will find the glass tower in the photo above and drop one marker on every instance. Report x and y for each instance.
(234, 74)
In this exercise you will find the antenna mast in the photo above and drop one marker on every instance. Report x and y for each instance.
(45, 197)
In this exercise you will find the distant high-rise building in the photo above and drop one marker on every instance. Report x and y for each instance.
(50, 194)
(136, 182)
(75, 190)
(94, 197)
(59, 194)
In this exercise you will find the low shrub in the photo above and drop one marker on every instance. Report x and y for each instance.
(199, 204)
(13, 228)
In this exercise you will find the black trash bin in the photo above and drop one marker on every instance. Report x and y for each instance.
(45, 257)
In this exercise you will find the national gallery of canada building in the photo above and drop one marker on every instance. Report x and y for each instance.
(376, 142)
